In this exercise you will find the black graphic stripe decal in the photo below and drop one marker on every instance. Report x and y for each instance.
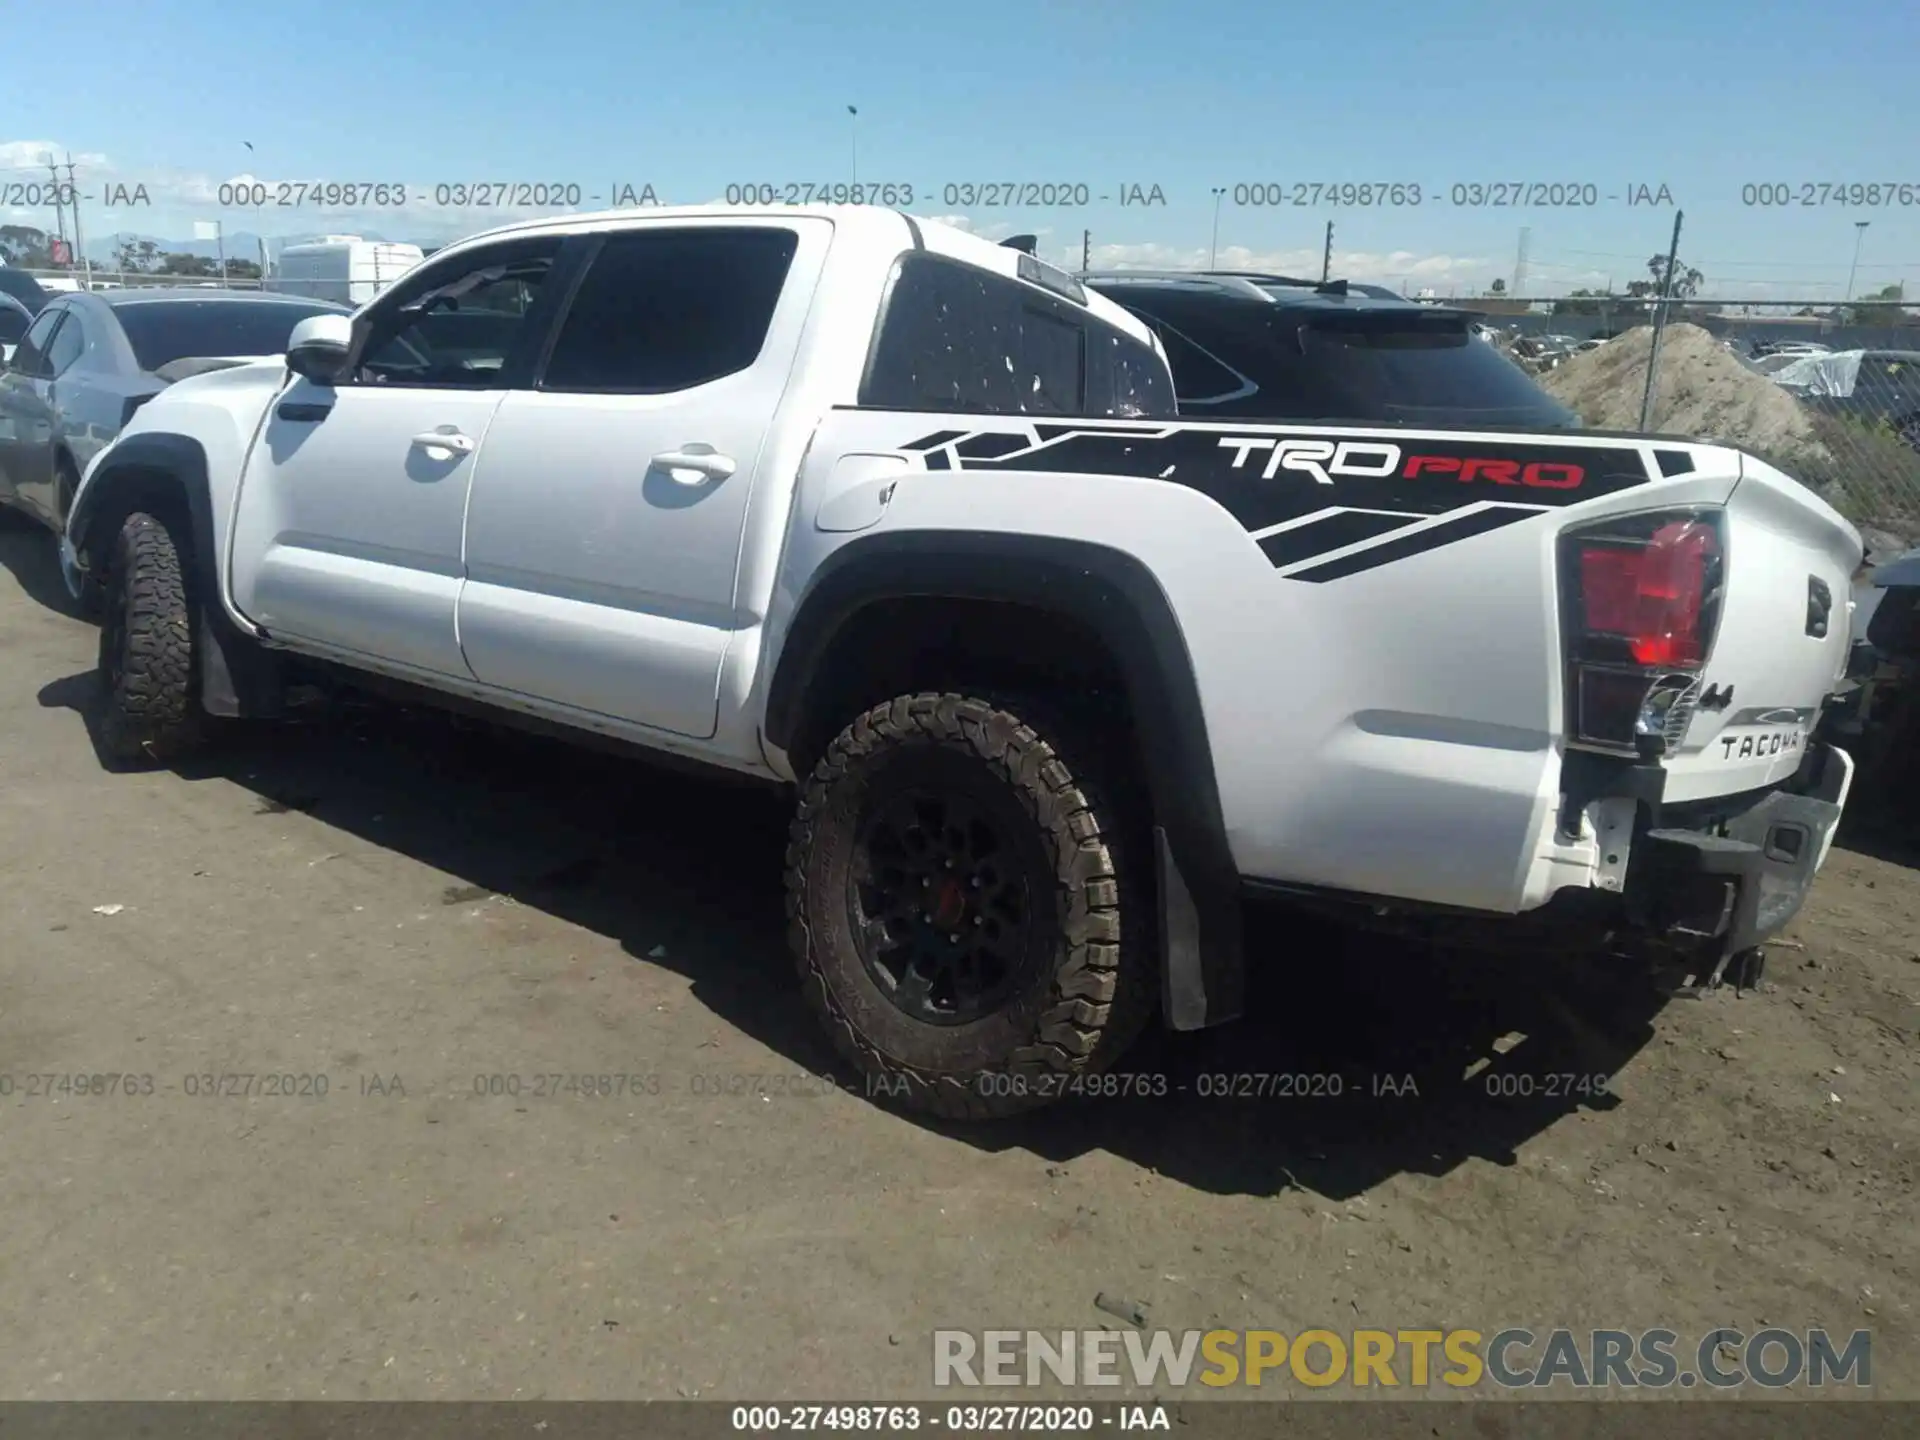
(936, 440)
(1331, 532)
(1478, 522)
(1303, 494)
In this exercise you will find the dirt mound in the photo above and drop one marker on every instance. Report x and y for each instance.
(1701, 391)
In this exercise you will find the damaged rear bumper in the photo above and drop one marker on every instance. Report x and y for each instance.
(1729, 887)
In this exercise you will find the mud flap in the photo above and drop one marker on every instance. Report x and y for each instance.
(1202, 955)
(237, 677)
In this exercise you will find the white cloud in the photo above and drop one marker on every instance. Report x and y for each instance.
(1396, 267)
(33, 155)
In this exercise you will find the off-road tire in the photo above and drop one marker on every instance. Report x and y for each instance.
(149, 710)
(1091, 985)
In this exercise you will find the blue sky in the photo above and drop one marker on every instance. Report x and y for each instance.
(1699, 97)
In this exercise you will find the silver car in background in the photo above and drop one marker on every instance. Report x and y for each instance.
(89, 360)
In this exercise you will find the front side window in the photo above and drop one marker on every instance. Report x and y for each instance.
(463, 324)
(666, 310)
(31, 358)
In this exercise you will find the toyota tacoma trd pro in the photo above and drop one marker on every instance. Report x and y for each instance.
(910, 522)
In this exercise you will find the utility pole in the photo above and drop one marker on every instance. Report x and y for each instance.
(854, 130)
(259, 215)
(1326, 256)
(1213, 255)
(1520, 262)
(1859, 234)
(1659, 321)
(79, 244)
(59, 209)
(1086, 250)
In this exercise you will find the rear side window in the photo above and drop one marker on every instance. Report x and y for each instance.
(957, 338)
(1381, 366)
(162, 331)
(69, 344)
(1199, 377)
(665, 310)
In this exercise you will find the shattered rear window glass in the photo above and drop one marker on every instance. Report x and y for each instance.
(958, 338)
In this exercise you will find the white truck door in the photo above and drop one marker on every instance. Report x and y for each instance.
(349, 527)
(604, 530)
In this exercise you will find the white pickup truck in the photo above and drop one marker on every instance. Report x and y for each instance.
(878, 510)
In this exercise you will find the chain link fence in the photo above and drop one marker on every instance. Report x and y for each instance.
(1830, 394)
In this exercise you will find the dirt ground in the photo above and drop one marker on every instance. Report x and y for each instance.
(1701, 390)
(408, 906)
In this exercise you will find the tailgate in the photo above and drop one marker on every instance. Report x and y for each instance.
(1781, 643)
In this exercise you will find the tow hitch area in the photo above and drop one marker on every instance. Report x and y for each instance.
(1723, 892)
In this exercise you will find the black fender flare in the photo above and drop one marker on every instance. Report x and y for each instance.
(1117, 598)
(238, 676)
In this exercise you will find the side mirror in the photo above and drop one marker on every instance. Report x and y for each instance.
(318, 347)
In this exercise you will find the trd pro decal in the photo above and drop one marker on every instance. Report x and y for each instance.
(1304, 495)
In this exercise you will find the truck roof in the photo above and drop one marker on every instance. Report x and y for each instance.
(885, 232)
(347, 242)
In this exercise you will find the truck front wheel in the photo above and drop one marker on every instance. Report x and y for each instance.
(146, 646)
(955, 898)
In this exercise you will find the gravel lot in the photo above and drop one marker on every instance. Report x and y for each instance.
(406, 905)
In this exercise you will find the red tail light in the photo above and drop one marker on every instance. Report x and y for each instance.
(1641, 598)
(1652, 594)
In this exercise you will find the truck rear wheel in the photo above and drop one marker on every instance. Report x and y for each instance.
(146, 646)
(955, 898)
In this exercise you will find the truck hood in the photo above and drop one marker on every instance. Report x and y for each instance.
(231, 383)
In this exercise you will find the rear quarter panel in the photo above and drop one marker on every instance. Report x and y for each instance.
(1392, 730)
(1781, 537)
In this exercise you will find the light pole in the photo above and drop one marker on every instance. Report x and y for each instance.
(1213, 255)
(1859, 234)
(854, 133)
(259, 216)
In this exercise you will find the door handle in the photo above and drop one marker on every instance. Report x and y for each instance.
(445, 440)
(694, 465)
